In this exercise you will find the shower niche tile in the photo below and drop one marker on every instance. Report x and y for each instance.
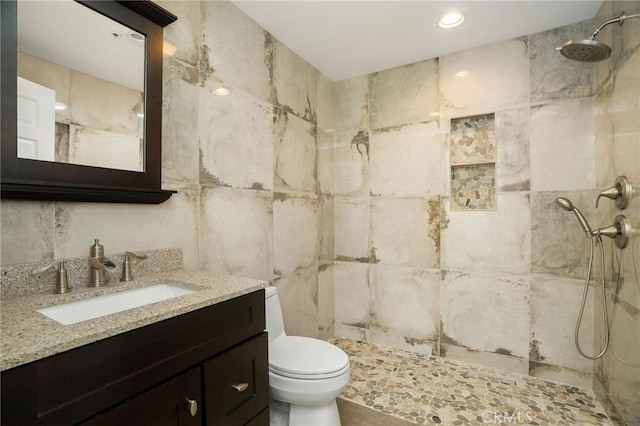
(473, 187)
(473, 157)
(473, 139)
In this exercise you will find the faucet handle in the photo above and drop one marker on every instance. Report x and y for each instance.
(619, 232)
(62, 283)
(127, 275)
(621, 193)
(135, 256)
(612, 193)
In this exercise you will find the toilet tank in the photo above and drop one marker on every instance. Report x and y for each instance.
(273, 313)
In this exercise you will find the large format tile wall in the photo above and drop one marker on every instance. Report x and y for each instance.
(617, 122)
(498, 287)
(317, 184)
(244, 166)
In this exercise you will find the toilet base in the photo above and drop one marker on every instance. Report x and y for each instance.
(283, 414)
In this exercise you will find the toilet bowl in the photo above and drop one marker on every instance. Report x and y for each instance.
(306, 375)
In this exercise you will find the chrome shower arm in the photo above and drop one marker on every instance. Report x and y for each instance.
(619, 19)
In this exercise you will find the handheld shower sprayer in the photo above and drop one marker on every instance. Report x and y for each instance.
(566, 204)
(619, 232)
(594, 238)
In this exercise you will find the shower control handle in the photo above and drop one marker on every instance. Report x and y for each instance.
(619, 232)
(621, 193)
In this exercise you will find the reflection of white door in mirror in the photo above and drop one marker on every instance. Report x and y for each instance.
(36, 121)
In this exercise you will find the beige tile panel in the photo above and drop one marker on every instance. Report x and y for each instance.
(236, 139)
(27, 229)
(180, 122)
(351, 297)
(351, 227)
(405, 303)
(408, 161)
(236, 232)
(296, 233)
(404, 95)
(295, 154)
(498, 79)
(298, 294)
(492, 241)
(235, 49)
(489, 313)
(295, 83)
(405, 231)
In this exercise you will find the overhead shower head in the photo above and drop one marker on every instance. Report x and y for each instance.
(591, 50)
(588, 50)
(567, 205)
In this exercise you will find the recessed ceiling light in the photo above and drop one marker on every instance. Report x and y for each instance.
(221, 91)
(136, 36)
(451, 20)
(461, 74)
(140, 115)
(60, 106)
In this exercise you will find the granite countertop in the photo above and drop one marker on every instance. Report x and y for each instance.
(27, 335)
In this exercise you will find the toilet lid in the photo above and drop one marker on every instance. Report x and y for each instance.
(304, 357)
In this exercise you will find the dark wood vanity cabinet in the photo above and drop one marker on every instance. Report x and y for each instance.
(206, 367)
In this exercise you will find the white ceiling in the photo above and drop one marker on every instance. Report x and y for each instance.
(349, 38)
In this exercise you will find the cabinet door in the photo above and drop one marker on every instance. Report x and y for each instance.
(176, 402)
(236, 383)
(261, 419)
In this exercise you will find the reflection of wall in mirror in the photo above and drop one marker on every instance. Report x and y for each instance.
(102, 125)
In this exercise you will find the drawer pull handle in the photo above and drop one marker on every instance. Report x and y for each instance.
(192, 406)
(240, 387)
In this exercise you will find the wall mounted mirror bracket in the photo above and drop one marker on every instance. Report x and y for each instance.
(32, 179)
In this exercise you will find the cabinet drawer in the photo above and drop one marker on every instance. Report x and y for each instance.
(237, 383)
(166, 405)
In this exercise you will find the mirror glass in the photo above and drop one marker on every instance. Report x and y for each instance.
(81, 87)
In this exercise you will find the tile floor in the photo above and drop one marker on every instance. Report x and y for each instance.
(421, 389)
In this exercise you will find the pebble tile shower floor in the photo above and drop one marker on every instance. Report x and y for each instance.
(423, 389)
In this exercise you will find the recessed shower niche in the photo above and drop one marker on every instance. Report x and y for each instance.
(473, 162)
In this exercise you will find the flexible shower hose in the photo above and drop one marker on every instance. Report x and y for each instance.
(596, 239)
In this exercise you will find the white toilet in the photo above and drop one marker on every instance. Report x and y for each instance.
(305, 375)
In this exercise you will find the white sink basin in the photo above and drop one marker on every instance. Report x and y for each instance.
(82, 310)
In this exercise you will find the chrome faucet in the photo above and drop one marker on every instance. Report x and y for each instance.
(98, 265)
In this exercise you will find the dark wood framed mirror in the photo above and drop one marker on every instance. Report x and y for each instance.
(33, 179)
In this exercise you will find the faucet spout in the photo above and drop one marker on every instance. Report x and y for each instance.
(98, 265)
(102, 264)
